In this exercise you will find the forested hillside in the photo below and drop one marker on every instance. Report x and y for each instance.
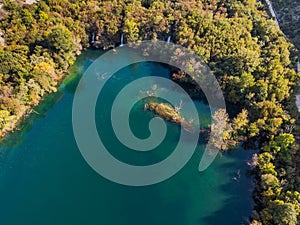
(248, 54)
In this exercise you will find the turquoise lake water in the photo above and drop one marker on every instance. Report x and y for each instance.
(44, 179)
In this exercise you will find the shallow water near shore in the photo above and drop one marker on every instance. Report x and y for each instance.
(45, 180)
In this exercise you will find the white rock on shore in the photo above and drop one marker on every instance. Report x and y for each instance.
(30, 1)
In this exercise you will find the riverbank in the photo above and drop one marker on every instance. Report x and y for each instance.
(12, 122)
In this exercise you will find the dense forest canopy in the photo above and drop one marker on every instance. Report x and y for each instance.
(248, 54)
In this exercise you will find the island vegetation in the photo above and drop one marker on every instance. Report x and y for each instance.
(249, 55)
(168, 112)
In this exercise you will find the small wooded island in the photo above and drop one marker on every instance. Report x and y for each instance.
(168, 112)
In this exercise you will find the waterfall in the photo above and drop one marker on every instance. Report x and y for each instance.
(122, 40)
(169, 39)
(93, 38)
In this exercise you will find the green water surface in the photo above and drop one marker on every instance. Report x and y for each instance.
(44, 180)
